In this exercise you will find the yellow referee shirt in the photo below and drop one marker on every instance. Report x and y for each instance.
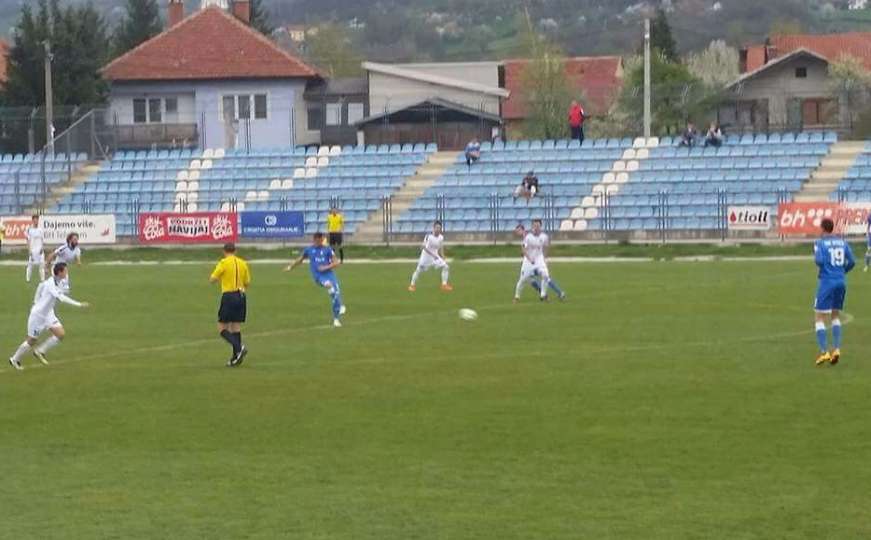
(233, 273)
(335, 223)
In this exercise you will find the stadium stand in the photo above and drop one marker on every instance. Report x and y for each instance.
(620, 184)
(282, 179)
(856, 185)
(25, 171)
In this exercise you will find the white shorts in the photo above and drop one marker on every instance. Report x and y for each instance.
(37, 257)
(427, 261)
(37, 324)
(529, 270)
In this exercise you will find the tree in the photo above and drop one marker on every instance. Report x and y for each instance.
(677, 95)
(260, 18)
(716, 66)
(850, 84)
(661, 38)
(331, 49)
(79, 42)
(141, 22)
(546, 89)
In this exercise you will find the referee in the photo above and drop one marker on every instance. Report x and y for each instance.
(335, 228)
(235, 278)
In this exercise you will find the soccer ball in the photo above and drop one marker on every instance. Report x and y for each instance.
(468, 314)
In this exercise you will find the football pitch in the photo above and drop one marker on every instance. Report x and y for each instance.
(662, 400)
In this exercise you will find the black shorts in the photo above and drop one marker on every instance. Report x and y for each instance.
(234, 308)
(334, 238)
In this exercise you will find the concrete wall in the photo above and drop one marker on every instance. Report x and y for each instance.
(387, 92)
(200, 102)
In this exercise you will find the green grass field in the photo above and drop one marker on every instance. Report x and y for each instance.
(664, 400)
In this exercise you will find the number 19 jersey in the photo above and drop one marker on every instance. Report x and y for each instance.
(834, 258)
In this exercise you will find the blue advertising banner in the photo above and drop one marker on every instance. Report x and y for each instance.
(272, 224)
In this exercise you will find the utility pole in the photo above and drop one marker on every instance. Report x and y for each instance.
(647, 103)
(49, 106)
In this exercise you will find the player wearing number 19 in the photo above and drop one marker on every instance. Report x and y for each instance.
(235, 278)
(834, 258)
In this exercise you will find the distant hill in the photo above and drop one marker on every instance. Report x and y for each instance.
(391, 30)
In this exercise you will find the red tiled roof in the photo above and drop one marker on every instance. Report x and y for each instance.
(830, 46)
(4, 51)
(598, 79)
(211, 44)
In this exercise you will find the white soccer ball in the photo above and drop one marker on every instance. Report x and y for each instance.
(468, 314)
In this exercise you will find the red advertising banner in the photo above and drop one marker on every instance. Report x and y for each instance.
(191, 228)
(15, 229)
(804, 218)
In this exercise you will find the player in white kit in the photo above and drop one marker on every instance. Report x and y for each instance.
(534, 264)
(432, 256)
(35, 249)
(42, 317)
(68, 254)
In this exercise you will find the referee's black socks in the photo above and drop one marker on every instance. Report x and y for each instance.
(232, 338)
(238, 337)
(342, 255)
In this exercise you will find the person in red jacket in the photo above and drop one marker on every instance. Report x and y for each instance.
(576, 121)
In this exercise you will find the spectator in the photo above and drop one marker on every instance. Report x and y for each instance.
(495, 134)
(714, 136)
(473, 152)
(689, 135)
(576, 121)
(528, 188)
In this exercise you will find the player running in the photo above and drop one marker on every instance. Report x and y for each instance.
(35, 248)
(520, 231)
(322, 262)
(432, 255)
(42, 317)
(68, 253)
(534, 264)
(833, 256)
(868, 249)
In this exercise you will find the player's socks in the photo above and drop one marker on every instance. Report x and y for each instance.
(556, 288)
(342, 255)
(414, 277)
(836, 333)
(445, 274)
(28, 272)
(519, 288)
(237, 336)
(23, 349)
(336, 302)
(41, 272)
(821, 336)
(229, 338)
(48, 345)
(543, 288)
(867, 259)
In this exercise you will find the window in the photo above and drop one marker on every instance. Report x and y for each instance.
(355, 112)
(171, 105)
(140, 114)
(229, 107)
(155, 110)
(801, 73)
(315, 121)
(260, 107)
(244, 107)
(334, 114)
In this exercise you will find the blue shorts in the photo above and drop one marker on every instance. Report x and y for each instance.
(323, 279)
(830, 295)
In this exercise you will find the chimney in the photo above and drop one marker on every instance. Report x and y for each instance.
(242, 10)
(175, 13)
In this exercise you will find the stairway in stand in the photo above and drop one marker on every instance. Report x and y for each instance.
(824, 180)
(371, 231)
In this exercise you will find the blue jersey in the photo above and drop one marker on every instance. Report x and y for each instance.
(319, 256)
(834, 257)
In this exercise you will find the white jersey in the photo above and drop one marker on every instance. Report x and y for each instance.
(67, 255)
(433, 244)
(534, 247)
(35, 238)
(47, 295)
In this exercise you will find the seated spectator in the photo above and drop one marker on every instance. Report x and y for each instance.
(689, 135)
(528, 188)
(473, 152)
(714, 136)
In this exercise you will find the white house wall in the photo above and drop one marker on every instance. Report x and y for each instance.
(779, 84)
(390, 93)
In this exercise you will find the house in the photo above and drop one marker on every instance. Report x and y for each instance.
(334, 108)
(210, 80)
(4, 54)
(596, 79)
(785, 83)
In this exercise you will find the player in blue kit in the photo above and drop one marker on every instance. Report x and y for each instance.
(322, 262)
(868, 249)
(833, 256)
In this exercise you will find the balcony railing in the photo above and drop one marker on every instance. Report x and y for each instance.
(156, 135)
